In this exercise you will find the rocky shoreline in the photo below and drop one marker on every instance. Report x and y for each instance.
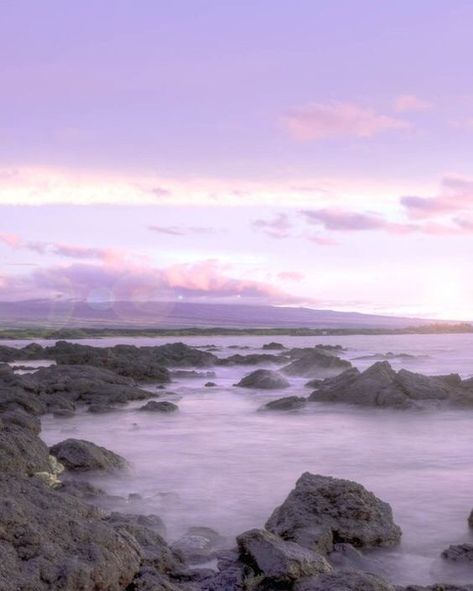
(56, 535)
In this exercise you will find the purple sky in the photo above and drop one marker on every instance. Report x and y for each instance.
(314, 153)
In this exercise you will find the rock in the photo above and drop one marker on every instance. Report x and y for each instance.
(287, 403)
(198, 544)
(252, 359)
(81, 489)
(279, 561)
(21, 450)
(264, 379)
(159, 406)
(459, 553)
(50, 540)
(63, 413)
(210, 385)
(23, 420)
(273, 346)
(149, 579)
(78, 455)
(100, 409)
(380, 385)
(315, 383)
(183, 374)
(344, 581)
(316, 363)
(321, 510)
(441, 587)
(470, 519)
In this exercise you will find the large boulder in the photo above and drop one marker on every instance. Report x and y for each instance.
(264, 379)
(78, 455)
(21, 450)
(380, 385)
(321, 510)
(459, 553)
(287, 403)
(162, 406)
(344, 581)
(316, 363)
(50, 540)
(279, 561)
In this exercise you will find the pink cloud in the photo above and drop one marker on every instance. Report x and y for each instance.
(11, 240)
(291, 276)
(339, 220)
(278, 227)
(319, 121)
(456, 194)
(409, 102)
(181, 231)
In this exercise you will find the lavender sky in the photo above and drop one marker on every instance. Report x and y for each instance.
(301, 152)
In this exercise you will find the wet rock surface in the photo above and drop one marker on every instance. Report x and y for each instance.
(316, 363)
(287, 403)
(78, 455)
(459, 553)
(264, 379)
(162, 406)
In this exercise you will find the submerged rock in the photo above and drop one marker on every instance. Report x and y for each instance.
(264, 379)
(279, 561)
(459, 553)
(321, 510)
(159, 406)
(287, 403)
(273, 346)
(198, 544)
(380, 385)
(78, 455)
(316, 363)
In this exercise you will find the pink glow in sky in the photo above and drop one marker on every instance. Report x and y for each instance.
(252, 151)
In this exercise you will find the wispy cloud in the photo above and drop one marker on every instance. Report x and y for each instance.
(319, 121)
(277, 227)
(181, 230)
(455, 195)
(407, 103)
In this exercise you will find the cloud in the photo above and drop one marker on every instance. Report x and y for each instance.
(406, 103)
(181, 231)
(278, 227)
(11, 240)
(348, 221)
(456, 194)
(203, 280)
(291, 276)
(319, 121)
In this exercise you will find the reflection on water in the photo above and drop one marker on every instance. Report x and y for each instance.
(220, 463)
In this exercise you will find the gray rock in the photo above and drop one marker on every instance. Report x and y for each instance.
(273, 346)
(210, 385)
(459, 553)
(50, 540)
(321, 510)
(100, 408)
(344, 581)
(21, 450)
(287, 403)
(264, 379)
(251, 359)
(316, 363)
(277, 560)
(159, 406)
(78, 455)
(380, 385)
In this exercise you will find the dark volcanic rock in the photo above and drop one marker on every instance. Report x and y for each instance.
(140, 363)
(78, 455)
(316, 363)
(459, 553)
(210, 385)
(159, 406)
(264, 379)
(198, 544)
(21, 450)
(279, 561)
(252, 359)
(344, 581)
(380, 385)
(50, 540)
(287, 403)
(321, 510)
(273, 346)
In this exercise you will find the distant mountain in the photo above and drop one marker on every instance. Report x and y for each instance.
(34, 313)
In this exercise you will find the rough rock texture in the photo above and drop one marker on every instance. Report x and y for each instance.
(140, 363)
(251, 359)
(316, 363)
(441, 587)
(277, 560)
(198, 544)
(459, 553)
(344, 581)
(287, 403)
(380, 385)
(321, 510)
(159, 406)
(273, 346)
(78, 455)
(21, 450)
(264, 379)
(49, 540)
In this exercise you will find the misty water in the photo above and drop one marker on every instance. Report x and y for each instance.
(219, 462)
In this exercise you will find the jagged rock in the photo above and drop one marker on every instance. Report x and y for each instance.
(50, 540)
(264, 379)
(159, 406)
(277, 560)
(316, 363)
(81, 489)
(78, 455)
(344, 581)
(459, 553)
(380, 385)
(287, 403)
(273, 346)
(149, 579)
(321, 510)
(252, 359)
(21, 450)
